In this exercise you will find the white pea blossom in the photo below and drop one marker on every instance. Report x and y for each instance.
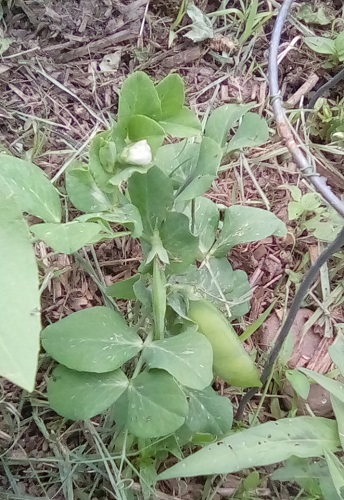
(137, 153)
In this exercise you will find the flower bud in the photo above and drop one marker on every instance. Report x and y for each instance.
(137, 153)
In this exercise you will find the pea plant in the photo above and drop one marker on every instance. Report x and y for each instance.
(153, 369)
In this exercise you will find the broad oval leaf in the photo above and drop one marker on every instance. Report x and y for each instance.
(182, 124)
(246, 224)
(142, 127)
(209, 412)
(253, 131)
(80, 395)
(187, 356)
(206, 219)
(66, 238)
(181, 245)
(156, 406)
(83, 191)
(138, 96)
(123, 289)
(172, 95)
(336, 351)
(96, 339)
(222, 119)
(152, 194)
(20, 323)
(258, 446)
(33, 191)
(128, 216)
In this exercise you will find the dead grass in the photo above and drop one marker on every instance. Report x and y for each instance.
(53, 99)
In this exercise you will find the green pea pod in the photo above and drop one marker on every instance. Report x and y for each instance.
(231, 362)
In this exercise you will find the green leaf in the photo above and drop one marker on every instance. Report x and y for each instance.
(320, 44)
(307, 14)
(101, 172)
(339, 46)
(123, 289)
(244, 225)
(333, 386)
(222, 119)
(83, 191)
(295, 210)
(154, 405)
(138, 96)
(253, 131)
(218, 280)
(200, 178)
(209, 412)
(183, 123)
(152, 194)
(188, 164)
(141, 127)
(338, 409)
(96, 339)
(206, 221)
(262, 445)
(66, 238)
(336, 351)
(80, 395)
(201, 27)
(187, 356)
(181, 245)
(19, 298)
(172, 95)
(299, 383)
(336, 469)
(310, 475)
(128, 216)
(32, 189)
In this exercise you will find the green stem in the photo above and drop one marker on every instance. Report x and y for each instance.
(159, 299)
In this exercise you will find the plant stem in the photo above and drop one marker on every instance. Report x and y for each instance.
(159, 299)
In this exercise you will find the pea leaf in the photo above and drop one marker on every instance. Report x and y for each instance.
(192, 167)
(253, 131)
(246, 224)
(218, 280)
(180, 244)
(128, 216)
(96, 339)
(79, 395)
(142, 127)
(262, 445)
(172, 95)
(32, 189)
(19, 298)
(187, 356)
(222, 119)
(153, 406)
(66, 238)
(206, 221)
(102, 172)
(83, 191)
(123, 289)
(138, 96)
(209, 412)
(184, 123)
(152, 194)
